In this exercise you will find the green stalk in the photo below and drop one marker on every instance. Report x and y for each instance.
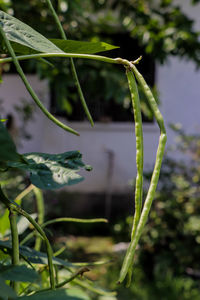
(40, 211)
(15, 242)
(44, 237)
(68, 55)
(29, 88)
(74, 73)
(19, 210)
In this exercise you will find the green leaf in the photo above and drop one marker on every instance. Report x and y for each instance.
(18, 273)
(5, 290)
(34, 256)
(62, 294)
(68, 46)
(26, 40)
(8, 149)
(71, 46)
(19, 32)
(52, 171)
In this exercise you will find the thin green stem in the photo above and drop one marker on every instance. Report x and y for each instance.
(15, 242)
(15, 208)
(74, 73)
(68, 55)
(44, 237)
(40, 211)
(81, 271)
(128, 260)
(29, 88)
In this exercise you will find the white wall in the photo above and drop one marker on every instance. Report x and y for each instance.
(178, 82)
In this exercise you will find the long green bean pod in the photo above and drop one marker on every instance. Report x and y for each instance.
(57, 220)
(74, 73)
(128, 260)
(139, 148)
(29, 88)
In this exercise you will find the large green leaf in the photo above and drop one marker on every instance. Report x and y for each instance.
(19, 32)
(7, 149)
(5, 290)
(62, 294)
(52, 171)
(18, 273)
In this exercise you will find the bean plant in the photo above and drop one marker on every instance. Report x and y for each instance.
(51, 171)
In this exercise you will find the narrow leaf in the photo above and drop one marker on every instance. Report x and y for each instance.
(71, 46)
(67, 46)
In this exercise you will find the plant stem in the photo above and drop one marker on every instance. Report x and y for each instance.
(15, 242)
(74, 73)
(19, 210)
(74, 55)
(29, 88)
(40, 210)
(24, 192)
(44, 237)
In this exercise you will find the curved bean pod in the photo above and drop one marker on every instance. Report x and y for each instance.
(128, 260)
(139, 148)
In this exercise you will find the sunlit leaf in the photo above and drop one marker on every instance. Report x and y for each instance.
(68, 46)
(19, 32)
(52, 171)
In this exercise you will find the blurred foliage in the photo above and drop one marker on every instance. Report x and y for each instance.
(155, 29)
